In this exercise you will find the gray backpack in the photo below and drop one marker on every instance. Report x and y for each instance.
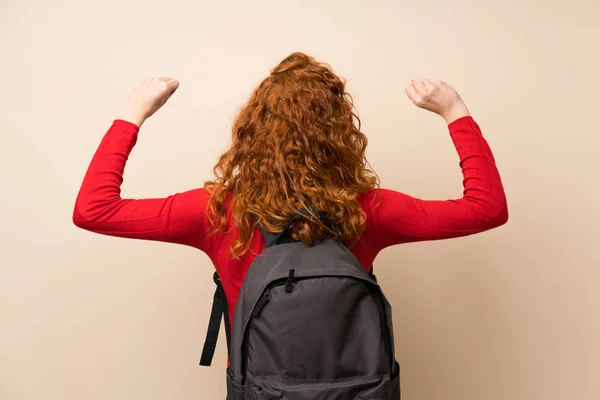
(310, 323)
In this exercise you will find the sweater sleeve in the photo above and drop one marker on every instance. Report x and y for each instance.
(396, 217)
(99, 207)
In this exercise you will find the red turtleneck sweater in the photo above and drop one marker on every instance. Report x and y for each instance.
(181, 218)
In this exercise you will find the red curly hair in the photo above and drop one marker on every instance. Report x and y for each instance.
(296, 144)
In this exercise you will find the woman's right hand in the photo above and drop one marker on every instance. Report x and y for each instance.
(437, 97)
(147, 98)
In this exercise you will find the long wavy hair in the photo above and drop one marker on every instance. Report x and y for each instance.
(297, 144)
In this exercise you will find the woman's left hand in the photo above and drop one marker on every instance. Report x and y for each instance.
(147, 98)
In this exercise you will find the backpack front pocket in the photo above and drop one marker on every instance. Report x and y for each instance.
(323, 328)
(360, 388)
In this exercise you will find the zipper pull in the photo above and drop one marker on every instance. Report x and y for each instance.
(260, 304)
(289, 286)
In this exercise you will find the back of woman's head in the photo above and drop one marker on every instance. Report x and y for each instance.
(296, 144)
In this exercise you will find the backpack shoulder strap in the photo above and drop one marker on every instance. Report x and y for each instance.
(372, 274)
(219, 311)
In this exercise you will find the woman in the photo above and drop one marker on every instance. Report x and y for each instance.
(296, 144)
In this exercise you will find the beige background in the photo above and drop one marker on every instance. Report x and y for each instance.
(509, 314)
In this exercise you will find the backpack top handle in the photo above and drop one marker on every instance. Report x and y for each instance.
(275, 238)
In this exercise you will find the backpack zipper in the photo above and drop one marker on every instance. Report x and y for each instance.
(266, 296)
(260, 304)
(264, 299)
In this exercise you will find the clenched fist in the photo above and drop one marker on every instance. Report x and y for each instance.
(437, 97)
(147, 98)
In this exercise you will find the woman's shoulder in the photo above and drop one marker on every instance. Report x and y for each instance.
(373, 198)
